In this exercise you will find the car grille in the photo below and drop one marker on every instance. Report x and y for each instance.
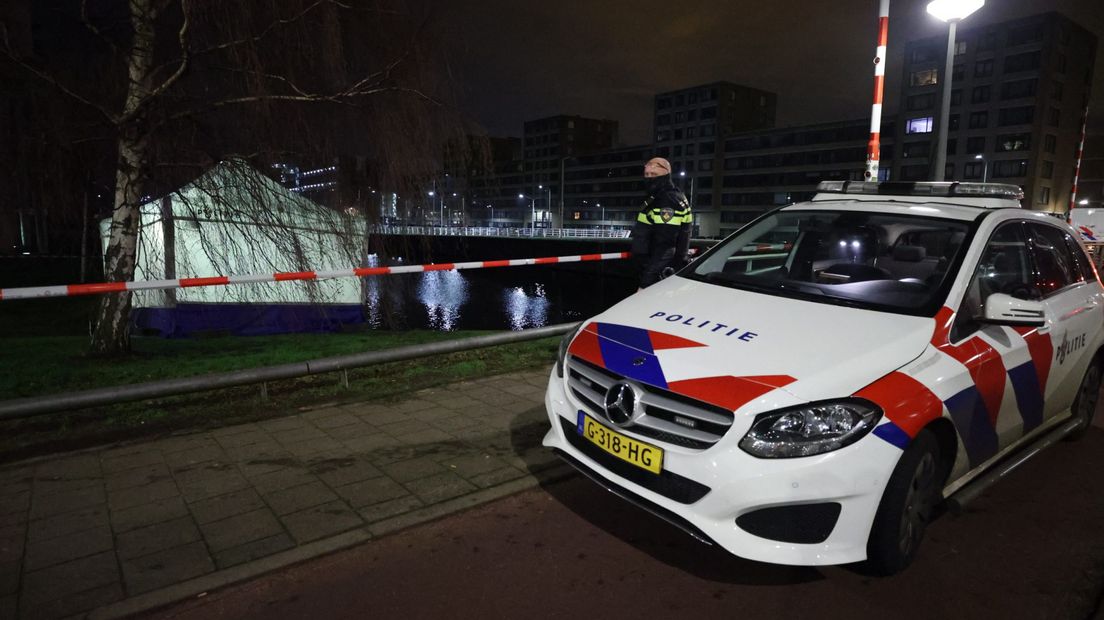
(667, 417)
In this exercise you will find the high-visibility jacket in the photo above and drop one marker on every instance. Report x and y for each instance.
(663, 223)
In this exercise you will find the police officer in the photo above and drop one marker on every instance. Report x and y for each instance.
(661, 235)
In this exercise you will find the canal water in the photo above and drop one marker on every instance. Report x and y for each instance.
(500, 298)
(511, 298)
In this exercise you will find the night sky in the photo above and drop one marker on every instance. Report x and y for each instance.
(524, 60)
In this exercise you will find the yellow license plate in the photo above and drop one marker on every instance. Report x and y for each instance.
(625, 448)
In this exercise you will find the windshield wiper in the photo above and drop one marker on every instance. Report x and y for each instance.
(739, 280)
(800, 287)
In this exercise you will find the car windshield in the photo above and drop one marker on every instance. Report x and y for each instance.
(879, 261)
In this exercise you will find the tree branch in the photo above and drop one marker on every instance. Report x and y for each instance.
(182, 37)
(51, 80)
(93, 29)
(344, 97)
(264, 33)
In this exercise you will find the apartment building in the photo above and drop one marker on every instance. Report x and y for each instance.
(1019, 91)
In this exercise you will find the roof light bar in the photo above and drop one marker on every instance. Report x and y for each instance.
(925, 188)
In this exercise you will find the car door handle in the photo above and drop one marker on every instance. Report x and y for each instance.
(1076, 311)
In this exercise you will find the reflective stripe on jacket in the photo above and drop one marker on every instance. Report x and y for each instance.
(663, 223)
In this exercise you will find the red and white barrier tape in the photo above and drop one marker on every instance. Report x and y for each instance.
(72, 290)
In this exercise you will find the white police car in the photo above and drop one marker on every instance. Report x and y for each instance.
(810, 389)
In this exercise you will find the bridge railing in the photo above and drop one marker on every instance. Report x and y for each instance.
(489, 231)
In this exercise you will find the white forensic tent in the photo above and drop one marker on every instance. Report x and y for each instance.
(233, 220)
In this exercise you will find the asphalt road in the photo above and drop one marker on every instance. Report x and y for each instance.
(1032, 547)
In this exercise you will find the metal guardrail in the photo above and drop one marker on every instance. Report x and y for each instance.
(38, 405)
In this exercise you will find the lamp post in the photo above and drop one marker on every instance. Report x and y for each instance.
(533, 210)
(490, 222)
(984, 167)
(683, 175)
(952, 12)
(563, 189)
(441, 215)
(548, 201)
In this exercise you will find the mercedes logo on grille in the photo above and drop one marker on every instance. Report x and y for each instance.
(620, 403)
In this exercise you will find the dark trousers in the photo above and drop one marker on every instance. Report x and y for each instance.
(652, 266)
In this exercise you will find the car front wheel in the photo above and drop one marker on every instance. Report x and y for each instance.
(1084, 404)
(908, 505)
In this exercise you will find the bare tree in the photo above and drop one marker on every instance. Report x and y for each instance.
(177, 85)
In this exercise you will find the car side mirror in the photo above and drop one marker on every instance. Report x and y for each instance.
(1001, 309)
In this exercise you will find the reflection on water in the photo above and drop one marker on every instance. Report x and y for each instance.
(443, 293)
(372, 314)
(524, 311)
(516, 299)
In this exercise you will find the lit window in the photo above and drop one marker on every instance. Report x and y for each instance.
(927, 77)
(919, 125)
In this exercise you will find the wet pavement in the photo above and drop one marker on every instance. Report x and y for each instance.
(444, 504)
(1029, 548)
(130, 526)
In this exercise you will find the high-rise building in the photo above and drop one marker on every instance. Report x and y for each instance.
(1018, 99)
(691, 125)
(548, 141)
(761, 170)
(1018, 95)
(525, 191)
(756, 171)
(605, 189)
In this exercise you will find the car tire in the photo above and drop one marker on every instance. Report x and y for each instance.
(1086, 401)
(909, 503)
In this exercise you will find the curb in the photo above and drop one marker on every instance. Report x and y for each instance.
(201, 586)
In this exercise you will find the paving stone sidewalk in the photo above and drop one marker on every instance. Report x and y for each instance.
(87, 530)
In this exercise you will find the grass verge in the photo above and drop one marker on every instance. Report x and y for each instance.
(38, 365)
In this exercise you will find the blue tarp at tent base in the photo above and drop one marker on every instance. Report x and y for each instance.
(191, 319)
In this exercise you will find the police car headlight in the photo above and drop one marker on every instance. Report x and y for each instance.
(811, 429)
(561, 355)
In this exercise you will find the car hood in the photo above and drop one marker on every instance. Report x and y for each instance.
(739, 349)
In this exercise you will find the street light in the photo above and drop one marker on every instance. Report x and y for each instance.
(548, 201)
(563, 188)
(683, 175)
(985, 167)
(491, 221)
(952, 12)
(533, 209)
(441, 216)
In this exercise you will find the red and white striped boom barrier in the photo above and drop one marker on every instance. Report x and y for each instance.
(72, 290)
(874, 146)
(1077, 166)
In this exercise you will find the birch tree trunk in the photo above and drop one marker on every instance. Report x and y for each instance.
(111, 331)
